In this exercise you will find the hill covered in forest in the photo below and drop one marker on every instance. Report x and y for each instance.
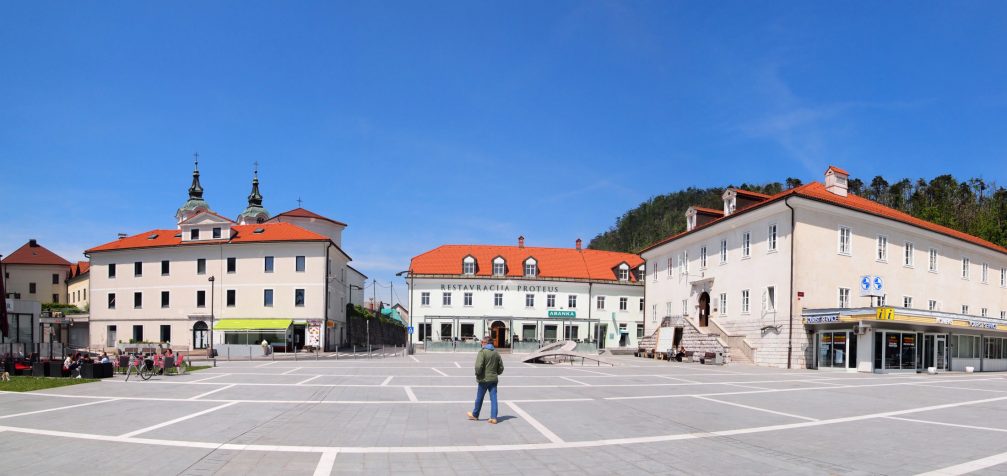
(972, 206)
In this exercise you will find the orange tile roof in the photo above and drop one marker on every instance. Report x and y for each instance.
(82, 267)
(816, 191)
(566, 263)
(708, 211)
(749, 193)
(239, 234)
(302, 213)
(837, 170)
(38, 254)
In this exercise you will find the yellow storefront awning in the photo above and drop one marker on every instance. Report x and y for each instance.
(251, 324)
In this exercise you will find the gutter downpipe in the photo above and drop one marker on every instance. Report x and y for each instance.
(328, 286)
(790, 331)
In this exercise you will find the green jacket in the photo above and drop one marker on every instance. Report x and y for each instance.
(489, 366)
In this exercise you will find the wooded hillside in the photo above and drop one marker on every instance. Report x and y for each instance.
(972, 206)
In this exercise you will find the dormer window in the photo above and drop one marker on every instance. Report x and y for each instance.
(194, 234)
(623, 272)
(499, 267)
(530, 268)
(469, 266)
(216, 233)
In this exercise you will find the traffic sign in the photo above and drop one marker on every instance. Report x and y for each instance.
(872, 286)
(409, 330)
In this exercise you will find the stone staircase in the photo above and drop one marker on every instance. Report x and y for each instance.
(695, 339)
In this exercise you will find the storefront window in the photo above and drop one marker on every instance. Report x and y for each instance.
(909, 351)
(528, 332)
(836, 349)
(550, 332)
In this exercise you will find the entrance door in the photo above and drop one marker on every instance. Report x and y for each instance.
(704, 309)
(499, 334)
(602, 335)
(199, 333)
(941, 353)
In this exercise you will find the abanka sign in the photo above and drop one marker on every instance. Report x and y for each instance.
(562, 314)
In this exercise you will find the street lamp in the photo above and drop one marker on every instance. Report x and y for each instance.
(409, 339)
(213, 351)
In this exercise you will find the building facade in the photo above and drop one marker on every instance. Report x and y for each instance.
(524, 297)
(34, 273)
(782, 276)
(277, 278)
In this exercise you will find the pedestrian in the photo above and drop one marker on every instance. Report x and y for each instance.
(489, 366)
(265, 347)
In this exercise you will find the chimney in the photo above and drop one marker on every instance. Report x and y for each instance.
(122, 235)
(33, 243)
(836, 180)
(520, 241)
(578, 244)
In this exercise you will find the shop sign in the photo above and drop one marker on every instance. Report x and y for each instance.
(886, 314)
(822, 319)
(982, 325)
(945, 320)
(562, 314)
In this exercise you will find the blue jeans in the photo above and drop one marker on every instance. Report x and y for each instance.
(480, 393)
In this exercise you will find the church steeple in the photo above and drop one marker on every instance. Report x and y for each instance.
(254, 213)
(195, 204)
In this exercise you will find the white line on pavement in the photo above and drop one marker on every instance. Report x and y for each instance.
(267, 364)
(791, 415)
(548, 434)
(439, 371)
(594, 372)
(211, 392)
(58, 408)
(969, 466)
(575, 381)
(309, 379)
(385, 383)
(458, 365)
(202, 379)
(745, 386)
(414, 358)
(971, 427)
(325, 463)
(295, 369)
(411, 395)
(172, 422)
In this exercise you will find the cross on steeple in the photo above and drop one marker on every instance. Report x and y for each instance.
(299, 202)
(195, 158)
(256, 167)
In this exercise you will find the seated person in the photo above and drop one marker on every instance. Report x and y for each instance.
(104, 358)
(680, 353)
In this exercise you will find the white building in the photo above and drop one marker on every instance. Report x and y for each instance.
(34, 273)
(779, 276)
(281, 278)
(524, 296)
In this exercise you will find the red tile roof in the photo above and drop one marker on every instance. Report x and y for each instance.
(37, 254)
(750, 193)
(239, 234)
(566, 263)
(816, 191)
(836, 170)
(708, 211)
(302, 213)
(80, 268)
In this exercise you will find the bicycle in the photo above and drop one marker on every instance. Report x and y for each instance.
(145, 370)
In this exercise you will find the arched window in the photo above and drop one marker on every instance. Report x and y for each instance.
(530, 267)
(469, 265)
(624, 272)
(499, 266)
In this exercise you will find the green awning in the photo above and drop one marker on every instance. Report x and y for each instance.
(251, 324)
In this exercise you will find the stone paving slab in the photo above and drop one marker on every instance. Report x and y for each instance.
(110, 418)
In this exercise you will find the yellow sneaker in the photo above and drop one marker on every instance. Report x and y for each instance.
(493, 421)
(471, 416)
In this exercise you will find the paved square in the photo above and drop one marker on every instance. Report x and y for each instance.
(407, 415)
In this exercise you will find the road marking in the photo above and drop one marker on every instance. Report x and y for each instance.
(325, 463)
(414, 358)
(439, 371)
(199, 380)
(969, 466)
(268, 363)
(679, 379)
(410, 394)
(291, 371)
(389, 379)
(791, 415)
(211, 392)
(179, 419)
(309, 379)
(458, 365)
(575, 381)
(594, 372)
(971, 427)
(745, 386)
(58, 408)
(549, 435)
(926, 384)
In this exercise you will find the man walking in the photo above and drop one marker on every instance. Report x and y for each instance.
(489, 366)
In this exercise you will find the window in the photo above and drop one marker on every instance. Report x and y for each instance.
(165, 298)
(231, 297)
(137, 300)
(298, 298)
(55, 298)
(216, 233)
(745, 302)
(671, 268)
(932, 305)
(31, 288)
(165, 333)
(424, 298)
(111, 300)
(723, 251)
(746, 244)
(844, 298)
(232, 265)
(653, 313)
(446, 299)
(723, 304)
(55, 278)
(882, 248)
(984, 312)
(771, 240)
(883, 300)
(467, 299)
(138, 332)
(1003, 277)
(933, 260)
(844, 241)
(623, 304)
(530, 268)
(770, 304)
(201, 266)
(965, 268)
(267, 265)
(684, 262)
(985, 272)
(1003, 314)
(639, 330)
(685, 307)
(194, 234)
(907, 258)
(498, 300)
(499, 267)
(267, 297)
(965, 309)
(907, 301)
(550, 301)
(111, 270)
(529, 300)
(299, 264)
(641, 304)
(571, 301)
(601, 303)
(469, 265)
(623, 274)
(137, 268)
(702, 257)
(200, 298)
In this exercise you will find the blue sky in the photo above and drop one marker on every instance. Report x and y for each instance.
(424, 123)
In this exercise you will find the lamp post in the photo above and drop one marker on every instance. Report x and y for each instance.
(409, 337)
(213, 351)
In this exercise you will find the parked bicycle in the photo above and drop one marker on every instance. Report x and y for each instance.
(143, 366)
